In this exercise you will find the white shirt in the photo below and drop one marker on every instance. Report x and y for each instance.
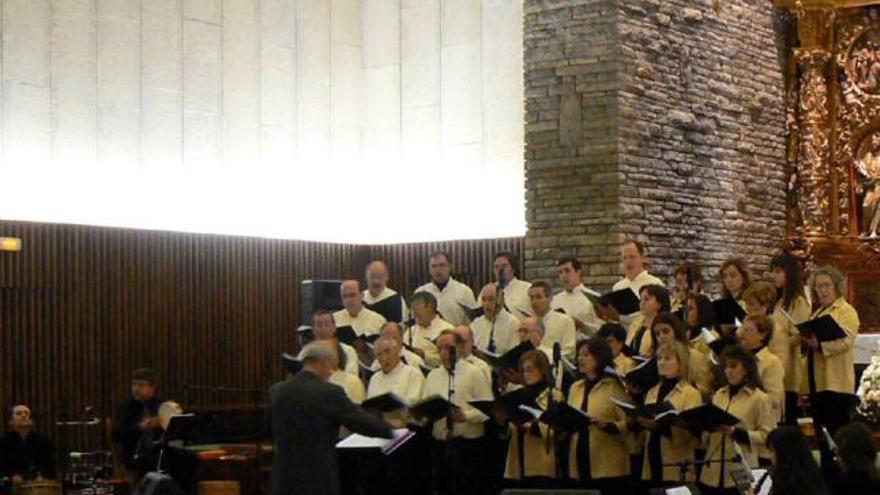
(352, 385)
(506, 331)
(560, 328)
(448, 300)
(385, 294)
(577, 305)
(642, 279)
(423, 338)
(481, 365)
(404, 381)
(352, 363)
(516, 298)
(367, 322)
(468, 384)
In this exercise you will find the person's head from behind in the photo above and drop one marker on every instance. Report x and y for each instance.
(323, 325)
(531, 330)
(440, 266)
(320, 358)
(424, 308)
(794, 469)
(856, 450)
(144, 382)
(535, 367)
(387, 353)
(18, 417)
(615, 335)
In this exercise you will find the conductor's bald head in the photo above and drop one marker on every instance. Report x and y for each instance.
(319, 357)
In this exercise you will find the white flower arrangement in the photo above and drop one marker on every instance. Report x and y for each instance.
(869, 392)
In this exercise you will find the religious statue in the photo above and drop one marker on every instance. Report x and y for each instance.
(868, 166)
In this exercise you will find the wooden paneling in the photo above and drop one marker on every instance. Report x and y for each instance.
(80, 307)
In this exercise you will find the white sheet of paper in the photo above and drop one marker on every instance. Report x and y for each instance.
(358, 441)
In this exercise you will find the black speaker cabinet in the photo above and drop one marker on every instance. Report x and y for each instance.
(318, 294)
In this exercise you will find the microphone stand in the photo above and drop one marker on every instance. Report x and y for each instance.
(450, 423)
(552, 407)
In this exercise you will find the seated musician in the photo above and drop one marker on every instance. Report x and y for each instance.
(599, 458)
(531, 452)
(665, 444)
(137, 425)
(25, 454)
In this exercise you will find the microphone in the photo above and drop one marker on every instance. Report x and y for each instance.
(557, 353)
(502, 279)
(452, 357)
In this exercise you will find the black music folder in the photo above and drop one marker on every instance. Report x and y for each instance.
(347, 335)
(472, 313)
(387, 402)
(707, 417)
(433, 408)
(825, 328)
(508, 360)
(644, 376)
(391, 308)
(562, 417)
(654, 411)
(728, 311)
(624, 301)
(512, 404)
(291, 363)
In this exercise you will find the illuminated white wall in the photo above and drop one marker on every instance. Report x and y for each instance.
(337, 120)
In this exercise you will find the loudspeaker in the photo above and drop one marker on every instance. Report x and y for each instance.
(158, 484)
(318, 294)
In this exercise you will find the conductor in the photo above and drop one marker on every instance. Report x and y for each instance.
(305, 413)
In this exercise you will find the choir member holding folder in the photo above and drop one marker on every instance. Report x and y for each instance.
(427, 327)
(754, 335)
(734, 437)
(532, 453)
(516, 291)
(615, 335)
(558, 327)
(599, 457)
(788, 278)
(453, 297)
(495, 329)
(828, 339)
(633, 260)
(669, 448)
(573, 300)
(668, 328)
(730, 307)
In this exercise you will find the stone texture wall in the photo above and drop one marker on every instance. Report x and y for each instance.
(681, 142)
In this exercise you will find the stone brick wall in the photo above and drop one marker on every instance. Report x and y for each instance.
(681, 142)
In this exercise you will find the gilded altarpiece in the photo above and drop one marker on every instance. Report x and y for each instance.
(834, 143)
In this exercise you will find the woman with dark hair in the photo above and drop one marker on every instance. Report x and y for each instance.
(531, 451)
(743, 398)
(615, 335)
(668, 328)
(734, 278)
(688, 281)
(788, 278)
(857, 458)
(654, 300)
(700, 314)
(794, 470)
(599, 457)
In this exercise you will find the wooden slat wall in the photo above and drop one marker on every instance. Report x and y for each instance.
(80, 307)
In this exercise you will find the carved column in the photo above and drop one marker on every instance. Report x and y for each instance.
(813, 159)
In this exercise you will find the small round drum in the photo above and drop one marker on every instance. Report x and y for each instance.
(39, 488)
